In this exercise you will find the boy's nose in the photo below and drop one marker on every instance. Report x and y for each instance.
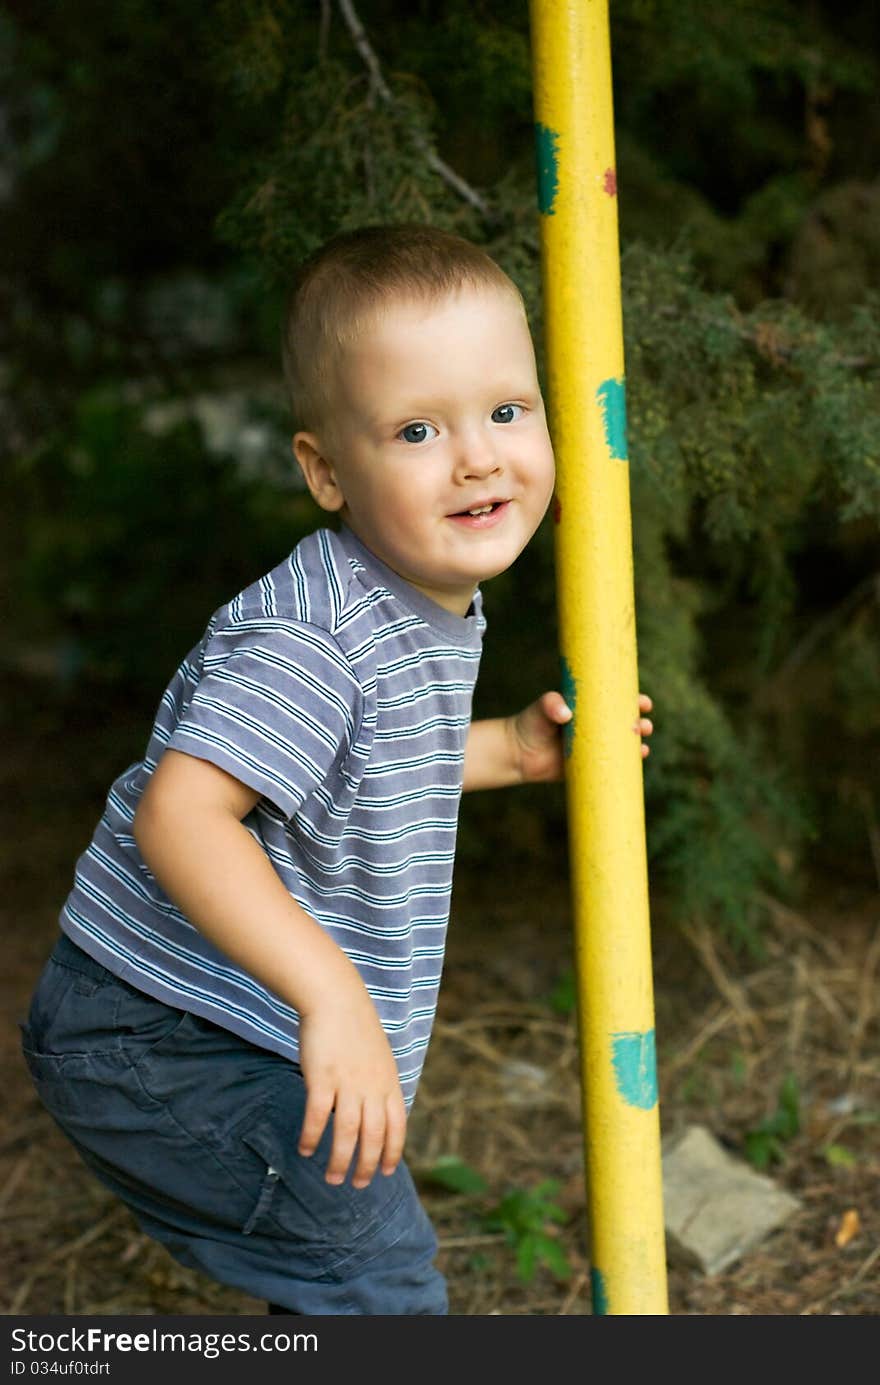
(477, 457)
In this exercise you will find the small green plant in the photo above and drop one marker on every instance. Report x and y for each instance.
(450, 1172)
(765, 1144)
(523, 1216)
(839, 1157)
(563, 997)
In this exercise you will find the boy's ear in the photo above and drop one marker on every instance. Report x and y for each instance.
(318, 471)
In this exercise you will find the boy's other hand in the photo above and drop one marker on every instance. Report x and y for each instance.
(349, 1070)
(537, 740)
(644, 726)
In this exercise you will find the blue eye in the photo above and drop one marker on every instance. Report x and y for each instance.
(418, 432)
(507, 413)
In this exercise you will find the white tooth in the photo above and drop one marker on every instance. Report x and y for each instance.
(483, 510)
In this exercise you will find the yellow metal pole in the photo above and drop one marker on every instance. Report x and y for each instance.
(577, 194)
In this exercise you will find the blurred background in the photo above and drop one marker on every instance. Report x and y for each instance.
(162, 168)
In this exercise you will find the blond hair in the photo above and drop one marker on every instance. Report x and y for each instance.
(351, 277)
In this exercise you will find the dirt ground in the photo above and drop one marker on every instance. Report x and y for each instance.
(500, 1092)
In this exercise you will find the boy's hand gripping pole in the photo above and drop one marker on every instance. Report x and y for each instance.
(577, 195)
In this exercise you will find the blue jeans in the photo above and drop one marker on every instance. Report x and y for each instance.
(196, 1130)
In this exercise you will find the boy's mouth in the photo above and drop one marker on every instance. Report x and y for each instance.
(476, 511)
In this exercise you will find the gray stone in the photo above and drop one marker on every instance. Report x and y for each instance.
(527, 1084)
(716, 1207)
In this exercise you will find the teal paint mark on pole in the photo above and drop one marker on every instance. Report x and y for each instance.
(568, 688)
(611, 395)
(598, 1293)
(546, 150)
(635, 1068)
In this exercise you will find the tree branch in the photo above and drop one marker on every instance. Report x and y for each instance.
(379, 85)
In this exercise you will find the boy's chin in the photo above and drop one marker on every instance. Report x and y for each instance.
(503, 565)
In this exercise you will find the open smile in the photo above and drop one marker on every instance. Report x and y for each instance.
(481, 516)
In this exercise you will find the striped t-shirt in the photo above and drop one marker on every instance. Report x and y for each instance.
(343, 696)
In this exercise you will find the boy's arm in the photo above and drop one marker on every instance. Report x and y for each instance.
(527, 748)
(189, 831)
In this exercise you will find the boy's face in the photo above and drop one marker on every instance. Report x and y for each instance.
(438, 456)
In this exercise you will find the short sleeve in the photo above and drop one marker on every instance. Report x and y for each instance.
(277, 706)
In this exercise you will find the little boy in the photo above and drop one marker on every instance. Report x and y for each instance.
(233, 1023)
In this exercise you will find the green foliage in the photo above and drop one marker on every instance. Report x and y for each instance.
(524, 1215)
(563, 997)
(140, 539)
(729, 116)
(748, 431)
(839, 1157)
(765, 1144)
(452, 1173)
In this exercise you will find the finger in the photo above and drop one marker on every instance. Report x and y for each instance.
(646, 750)
(645, 703)
(346, 1128)
(646, 726)
(555, 708)
(370, 1143)
(319, 1104)
(395, 1134)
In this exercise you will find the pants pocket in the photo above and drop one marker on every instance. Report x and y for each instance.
(264, 1201)
(329, 1221)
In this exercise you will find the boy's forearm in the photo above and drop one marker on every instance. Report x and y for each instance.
(218, 875)
(491, 759)
(189, 828)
